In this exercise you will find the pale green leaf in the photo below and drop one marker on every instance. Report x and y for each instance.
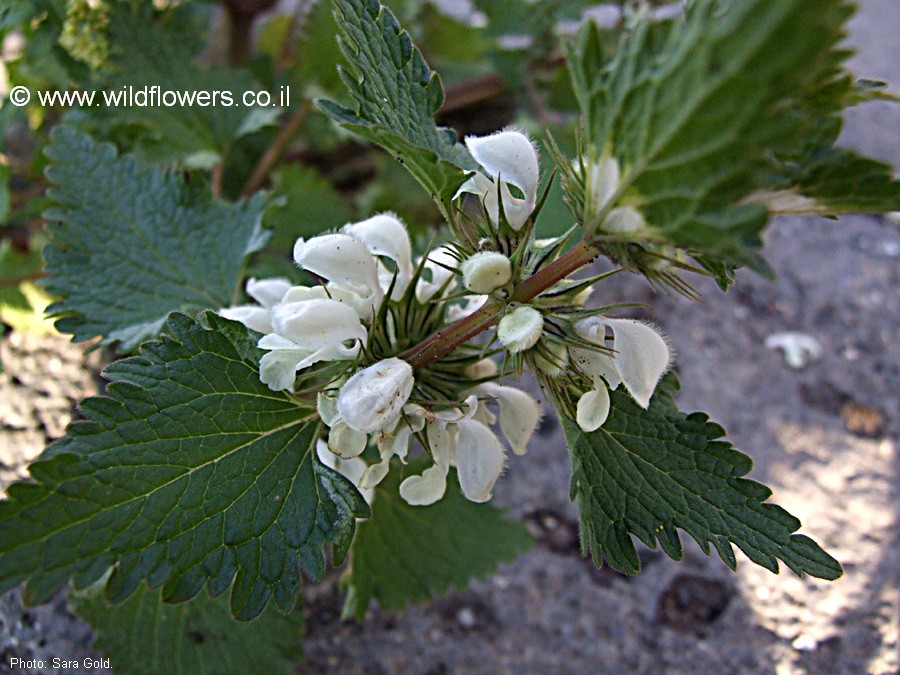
(414, 553)
(704, 111)
(651, 473)
(189, 473)
(129, 243)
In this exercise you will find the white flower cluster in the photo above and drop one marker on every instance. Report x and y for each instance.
(367, 269)
(304, 326)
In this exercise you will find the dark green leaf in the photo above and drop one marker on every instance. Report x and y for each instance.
(145, 635)
(651, 473)
(190, 473)
(413, 553)
(148, 58)
(398, 95)
(129, 244)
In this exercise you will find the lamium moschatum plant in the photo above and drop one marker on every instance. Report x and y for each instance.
(263, 416)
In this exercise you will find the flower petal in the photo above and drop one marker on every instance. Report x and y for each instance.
(386, 236)
(642, 357)
(438, 262)
(511, 157)
(346, 442)
(431, 485)
(479, 460)
(339, 258)
(519, 414)
(593, 409)
(253, 317)
(267, 291)
(314, 324)
(278, 369)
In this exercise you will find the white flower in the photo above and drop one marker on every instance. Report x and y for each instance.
(602, 182)
(486, 271)
(640, 359)
(519, 413)
(509, 158)
(593, 408)
(384, 235)
(305, 333)
(266, 292)
(373, 398)
(520, 329)
(344, 261)
(440, 263)
(455, 438)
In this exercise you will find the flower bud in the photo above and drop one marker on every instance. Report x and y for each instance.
(373, 398)
(487, 271)
(600, 183)
(520, 329)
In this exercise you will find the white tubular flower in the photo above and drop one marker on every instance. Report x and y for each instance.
(306, 333)
(509, 158)
(346, 442)
(519, 413)
(440, 263)
(432, 484)
(384, 235)
(485, 272)
(373, 398)
(266, 292)
(593, 408)
(482, 369)
(343, 260)
(641, 358)
(480, 460)
(601, 185)
(520, 329)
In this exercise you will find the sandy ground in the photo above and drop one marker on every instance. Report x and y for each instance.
(824, 438)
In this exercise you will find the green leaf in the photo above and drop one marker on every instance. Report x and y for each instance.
(145, 54)
(704, 111)
(191, 472)
(130, 243)
(144, 634)
(833, 182)
(398, 95)
(414, 553)
(651, 473)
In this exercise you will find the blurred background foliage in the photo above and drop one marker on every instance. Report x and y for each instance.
(501, 62)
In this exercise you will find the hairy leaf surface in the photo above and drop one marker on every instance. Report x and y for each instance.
(414, 553)
(650, 473)
(129, 243)
(704, 111)
(191, 472)
(398, 95)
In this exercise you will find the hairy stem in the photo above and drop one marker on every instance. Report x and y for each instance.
(445, 341)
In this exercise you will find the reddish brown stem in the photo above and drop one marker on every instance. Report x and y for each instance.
(446, 341)
(274, 152)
